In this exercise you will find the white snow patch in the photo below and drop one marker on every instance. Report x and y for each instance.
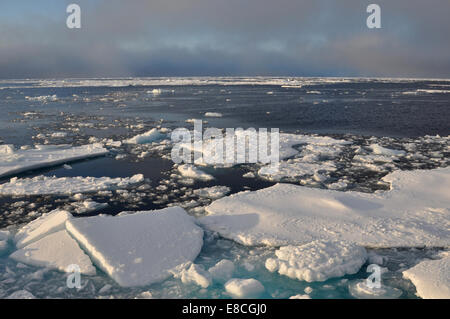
(21, 294)
(142, 248)
(318, 260)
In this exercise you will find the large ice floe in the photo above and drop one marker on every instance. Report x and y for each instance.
(41, 185)
(141, 248)
(14, 161)
(133, 249)
(414, 212)
(431, 278)
(318, 260)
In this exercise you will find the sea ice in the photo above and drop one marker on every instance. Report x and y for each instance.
(149, 137)
(244, 288)
(214, 192)
(359, 289)
(41, 227)
(380, 150)
(222, 271)
(41, 185)
(195, 274)
(190, 171)
(17, 161)
(413, 213)
(431, 278)
(141, 248)
(213, 114)
(57, 250)
(318, 260)
(21, 294)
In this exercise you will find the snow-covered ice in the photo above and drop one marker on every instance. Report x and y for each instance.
(413, 213)
(222, 271)
(195, 274)
(190, 171)
(318, 260)
(359, 289)
(141, 248)
(213, 114)
(214, 192)
(57, 250)
(14, 161)
(40, 185)
(431, 278)
(41, 227)
(148, 137)
(244, 288)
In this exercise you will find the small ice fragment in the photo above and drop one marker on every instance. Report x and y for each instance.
(222, 271)
(244, 288)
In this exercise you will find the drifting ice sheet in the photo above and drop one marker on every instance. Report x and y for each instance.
(413, 213)
(431, 278)
(142, 248)
(58, 251)
(41, 185)
(17, 161)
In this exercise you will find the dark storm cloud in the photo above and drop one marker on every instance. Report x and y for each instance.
(233, 37)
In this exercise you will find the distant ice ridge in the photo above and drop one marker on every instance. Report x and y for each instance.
(44, 98)
(133, 249)
(415, 212)
(14, 161)
(431, 277)
(41, 185)
(289, 82)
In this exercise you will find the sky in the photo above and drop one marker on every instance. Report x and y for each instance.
(121, 38)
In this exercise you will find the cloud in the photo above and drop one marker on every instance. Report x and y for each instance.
(233, 37)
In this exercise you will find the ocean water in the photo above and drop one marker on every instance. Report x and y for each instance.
(409, 115)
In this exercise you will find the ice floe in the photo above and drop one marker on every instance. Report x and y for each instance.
(318, 260)
(413, 213)
(214, 192)
(361, 290)
(141, 248)
(431, 278)
(213, 114)
(57, 250)
(190, 171)
(14, 161)
(40, 185)
(39, 228)
(244, 288)
(195, 274)
(222, 271)
(148, 137)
